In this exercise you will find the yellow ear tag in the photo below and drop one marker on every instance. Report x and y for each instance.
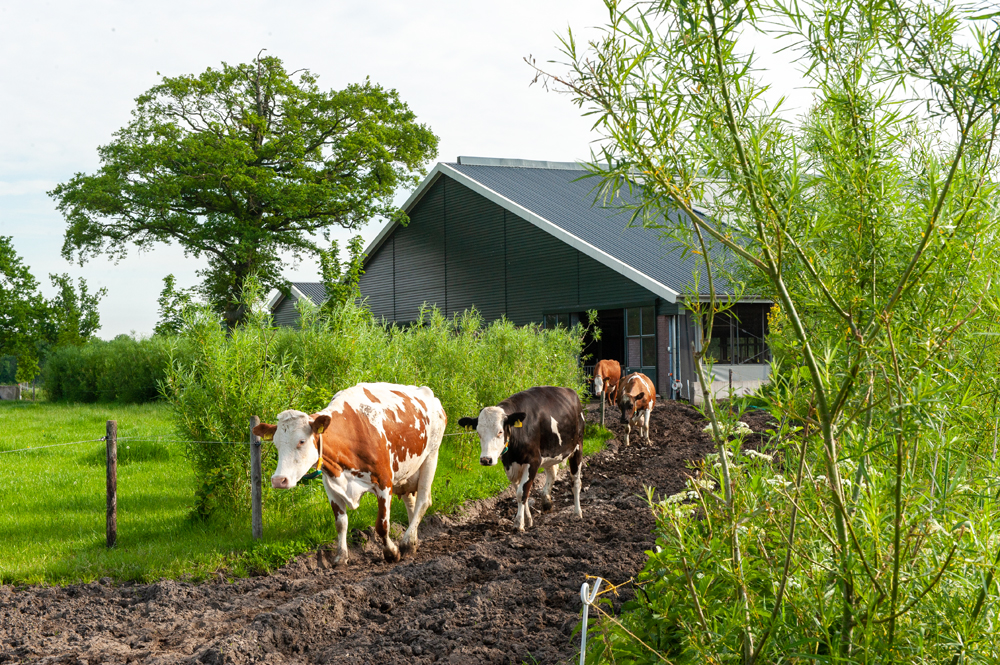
(519, 423)
(267, 437)
(320, 430)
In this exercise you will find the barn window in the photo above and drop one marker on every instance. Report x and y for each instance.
(640, 336)
(557, 320)
(738, 335)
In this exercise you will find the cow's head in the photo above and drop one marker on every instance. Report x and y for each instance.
(627, 404)
(598, 385)
(295, 439)
(493, 426)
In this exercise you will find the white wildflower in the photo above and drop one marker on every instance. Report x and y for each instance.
(779, 482)
(933, 526)
(703, 483)
(739, 428)
(753, 454)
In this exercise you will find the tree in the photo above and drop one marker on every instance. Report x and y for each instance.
(872, 224)
(242, 163)
(175, 304)
(341, 280)
(22, 306)
(72, 316)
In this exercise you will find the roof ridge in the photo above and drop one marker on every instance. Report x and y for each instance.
(520, 163)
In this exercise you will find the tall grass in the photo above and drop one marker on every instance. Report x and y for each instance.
(261, 370)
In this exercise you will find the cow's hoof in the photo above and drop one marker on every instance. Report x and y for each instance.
(340, 560)
(579, 515)
(408, 548)
(546, 503)
(391, 555)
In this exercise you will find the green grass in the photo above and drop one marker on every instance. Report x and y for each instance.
(52, 501)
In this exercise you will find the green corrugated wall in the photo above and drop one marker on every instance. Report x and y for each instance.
(462, 250)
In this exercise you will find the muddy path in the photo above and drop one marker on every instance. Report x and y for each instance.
(475, 592)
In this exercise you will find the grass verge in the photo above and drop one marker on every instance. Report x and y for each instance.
(52, 501)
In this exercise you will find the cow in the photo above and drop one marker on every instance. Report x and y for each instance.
(538, 428)
(636, 397)
(606, 376)
(377, 437)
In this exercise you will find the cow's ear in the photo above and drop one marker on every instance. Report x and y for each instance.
(320, 423)
(471, 423)
(639, 396)
(515, 419)
(265, 431)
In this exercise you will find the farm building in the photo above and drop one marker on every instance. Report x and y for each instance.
(523, 239)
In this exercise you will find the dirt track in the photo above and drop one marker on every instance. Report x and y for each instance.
(475, 592)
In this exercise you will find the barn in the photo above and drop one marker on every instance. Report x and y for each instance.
(523, 239)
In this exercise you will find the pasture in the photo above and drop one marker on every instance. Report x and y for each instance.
(52, 501)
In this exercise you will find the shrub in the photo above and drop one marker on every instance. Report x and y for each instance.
(259, 369)
(125, 369)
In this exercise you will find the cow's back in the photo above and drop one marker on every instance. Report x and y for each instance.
(408, 421)
(636, 383)
(543, 404)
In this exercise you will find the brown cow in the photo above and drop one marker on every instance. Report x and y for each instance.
(377, 437)
(636, 397)
(606, 376)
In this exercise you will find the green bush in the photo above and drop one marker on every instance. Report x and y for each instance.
(126, 369)
(262, 370)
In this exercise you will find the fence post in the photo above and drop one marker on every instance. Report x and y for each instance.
(255, 500)
(602, 410)
(111, 448)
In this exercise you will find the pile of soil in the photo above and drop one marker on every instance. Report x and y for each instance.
(475, 592)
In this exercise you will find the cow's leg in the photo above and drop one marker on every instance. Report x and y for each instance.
(410, 501)
(551, 475)
(422, 502)
(628, 429)
(389, 548)
(576, 468)
(645, 423)
(340, 510)
(523, 490)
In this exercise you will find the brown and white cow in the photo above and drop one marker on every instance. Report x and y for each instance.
(377, 437)
(607, 373)
(538, 428)
(636, 397)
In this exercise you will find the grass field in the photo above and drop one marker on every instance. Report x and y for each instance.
(52, 501)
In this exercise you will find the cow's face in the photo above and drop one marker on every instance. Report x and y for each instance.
(295, 440)
(627, 404)
(493, 426)
(598, 385)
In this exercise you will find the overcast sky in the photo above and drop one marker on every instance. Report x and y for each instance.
(73, 70)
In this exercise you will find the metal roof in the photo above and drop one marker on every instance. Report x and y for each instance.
(314, 291)
(559, 198)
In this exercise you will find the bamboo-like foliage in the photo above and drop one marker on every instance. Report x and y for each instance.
(871, 221)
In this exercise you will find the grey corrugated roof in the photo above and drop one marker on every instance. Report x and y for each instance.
(315, 291)
(565, 197)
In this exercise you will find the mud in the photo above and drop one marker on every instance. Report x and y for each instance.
(475, 592)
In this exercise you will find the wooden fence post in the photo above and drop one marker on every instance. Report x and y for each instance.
(602, 409)
(111, 448)
(255, 498)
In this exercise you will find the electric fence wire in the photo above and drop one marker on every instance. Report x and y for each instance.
(144, 440)
(53, 445)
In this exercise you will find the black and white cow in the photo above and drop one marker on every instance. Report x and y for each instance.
(538, 428)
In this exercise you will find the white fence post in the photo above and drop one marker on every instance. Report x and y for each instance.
(588, 599)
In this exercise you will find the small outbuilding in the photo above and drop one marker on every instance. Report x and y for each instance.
(524, 240)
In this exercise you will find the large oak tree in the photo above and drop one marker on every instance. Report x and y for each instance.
(240, 164)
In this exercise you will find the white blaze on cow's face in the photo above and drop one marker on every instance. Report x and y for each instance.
(598, 386)
(491, 434)
(297, 452)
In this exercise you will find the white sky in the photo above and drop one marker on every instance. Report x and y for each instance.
(73, 69)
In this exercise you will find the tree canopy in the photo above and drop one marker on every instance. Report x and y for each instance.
(29, 323)
(241, 163)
